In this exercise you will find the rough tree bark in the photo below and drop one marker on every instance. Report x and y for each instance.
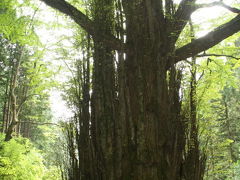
(151, 133)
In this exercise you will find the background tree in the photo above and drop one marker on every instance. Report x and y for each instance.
(26, 80)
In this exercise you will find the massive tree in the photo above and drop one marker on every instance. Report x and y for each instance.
(135, 127)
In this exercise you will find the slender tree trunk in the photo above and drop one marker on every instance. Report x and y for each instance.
(194, 165)
(14, 118)
(7, 111)
(5, 107)
(229, 132)
(195, 162)
(83, 139)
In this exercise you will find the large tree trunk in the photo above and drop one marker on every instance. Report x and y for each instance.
(103, 95)
(137, 131)
(155, 127)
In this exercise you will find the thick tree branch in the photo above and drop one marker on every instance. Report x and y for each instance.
(186, 8)
(81, 19)
(181, 17)
(211, 39)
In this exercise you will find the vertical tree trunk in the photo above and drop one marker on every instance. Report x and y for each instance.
(83, 139)
(228, 127)
(194, 163)
(136, 107)
(103, 95)
(5, 107)
(155, 127)
(14, 117)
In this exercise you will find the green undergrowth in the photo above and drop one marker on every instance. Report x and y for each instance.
(20, 160)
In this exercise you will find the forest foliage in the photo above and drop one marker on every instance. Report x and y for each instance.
(26, 80)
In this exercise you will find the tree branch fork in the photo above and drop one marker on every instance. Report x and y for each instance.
(192, 49)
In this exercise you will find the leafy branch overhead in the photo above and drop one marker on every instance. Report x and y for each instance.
(181, 17)
(211, 39)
